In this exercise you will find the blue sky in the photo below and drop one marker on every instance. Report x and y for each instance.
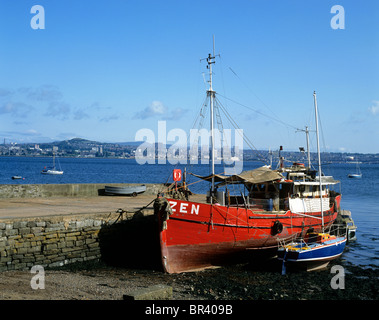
(102, 70)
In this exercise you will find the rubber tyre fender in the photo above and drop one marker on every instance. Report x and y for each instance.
(276, 228)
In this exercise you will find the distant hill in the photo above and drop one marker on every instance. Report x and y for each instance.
(79, 147)
(75, 143)
(130, 143)
(81, 143)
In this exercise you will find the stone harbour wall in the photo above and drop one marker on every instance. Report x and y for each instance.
(65, 190)
(51, 241)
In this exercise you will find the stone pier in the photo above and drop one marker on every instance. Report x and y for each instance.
(40, 226)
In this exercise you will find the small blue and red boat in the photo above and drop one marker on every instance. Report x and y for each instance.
(312, 252)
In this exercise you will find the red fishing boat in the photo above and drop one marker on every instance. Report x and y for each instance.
(202, 231)
(195, 234)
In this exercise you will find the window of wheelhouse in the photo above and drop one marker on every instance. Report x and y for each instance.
(316, 190)
(285, 190)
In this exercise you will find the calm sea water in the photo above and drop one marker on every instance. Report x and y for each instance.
(360, 196)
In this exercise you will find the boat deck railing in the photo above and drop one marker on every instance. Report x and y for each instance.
(338, 229)
(270, 204)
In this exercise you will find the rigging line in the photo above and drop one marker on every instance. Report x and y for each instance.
(198, 120)
(232, 121)
(235, 125)
(322, 131)
(199, 123)
(222, 75)
(201, 113)
(245, 138)
(259, 112)
(322, 136)
(219, 106)
(253, 93)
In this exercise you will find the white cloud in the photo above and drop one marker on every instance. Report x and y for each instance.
(109, 118)
(176, 114)
(17, 109)
(156, 108)
(374, 109)
(5, 92)
(80, 114)
(58, 110)
(32, 132)
(42, 93)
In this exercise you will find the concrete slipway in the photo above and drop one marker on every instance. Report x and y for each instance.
(41, 207)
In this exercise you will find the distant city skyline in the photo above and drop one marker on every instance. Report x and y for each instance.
(103, 70)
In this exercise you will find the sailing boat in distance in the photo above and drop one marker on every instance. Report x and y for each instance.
(53, 169)
(358, 173)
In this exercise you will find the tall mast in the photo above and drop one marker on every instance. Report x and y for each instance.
(319, 159)
(211, 96)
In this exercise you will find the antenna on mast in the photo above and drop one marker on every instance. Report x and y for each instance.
(307, 138)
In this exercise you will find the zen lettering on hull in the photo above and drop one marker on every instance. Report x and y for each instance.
(184, 207)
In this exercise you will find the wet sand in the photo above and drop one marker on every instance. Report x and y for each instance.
(97, 281)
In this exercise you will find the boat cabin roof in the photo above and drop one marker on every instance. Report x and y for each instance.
(265, 175)
(326, 180)
(313, 183)
(256, 176)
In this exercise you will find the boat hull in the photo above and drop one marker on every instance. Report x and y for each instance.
(52, 172)
(354, 176)
(314, 258)
(197, 235)
(128, 190)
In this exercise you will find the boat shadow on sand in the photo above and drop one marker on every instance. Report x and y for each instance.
(131, 243)
(134, 243)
